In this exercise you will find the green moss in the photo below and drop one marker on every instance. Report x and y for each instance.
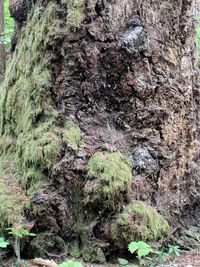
(93, 253)
(12, 197)
(29, 132)
(28, 77)
(109, 175)
(36, 209)
(138, 221)
(82, 245)
(6, 142)
(75, 12)
(157, 226)
(74, 249)
(47, 242)
(72, 134)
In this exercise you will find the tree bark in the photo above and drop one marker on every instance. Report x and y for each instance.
(104, 118)
(2, 46)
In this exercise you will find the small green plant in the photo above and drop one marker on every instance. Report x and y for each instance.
(70, 264)
(160, 255)
(3, 243)
(19, 232)
(174, 250)
(141, 248)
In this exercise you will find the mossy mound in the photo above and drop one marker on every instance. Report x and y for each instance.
(109, 175)
(46, 242)
(138, 221)
(92, 253)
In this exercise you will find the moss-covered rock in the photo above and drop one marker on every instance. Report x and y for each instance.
(109, 175)
(138, 221)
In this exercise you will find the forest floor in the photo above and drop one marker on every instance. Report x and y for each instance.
(186, 259)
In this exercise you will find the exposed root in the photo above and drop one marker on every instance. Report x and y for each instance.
(42, 262)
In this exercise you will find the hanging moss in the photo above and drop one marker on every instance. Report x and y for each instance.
(72, 134)
(12, 197)
(28, 77)
(138, 221)
(29, 133)
(109, 175)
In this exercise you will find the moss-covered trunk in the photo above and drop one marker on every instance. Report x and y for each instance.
(99, 124)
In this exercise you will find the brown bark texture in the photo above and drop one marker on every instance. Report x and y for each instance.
(127, 77)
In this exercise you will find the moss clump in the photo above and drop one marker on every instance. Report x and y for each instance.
(47, 242)
(75, 12)
(74, 249)
(109, 175)
(72, 134)
(138, 221)
(92, 253)
(41, 148)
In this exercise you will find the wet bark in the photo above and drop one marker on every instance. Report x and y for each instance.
(126, 76)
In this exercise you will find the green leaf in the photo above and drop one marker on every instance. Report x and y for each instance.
(142, 248)
(32, 234)
(143, 252)
(3, 243)
(174, 250)
(122, 261)
(133, 246)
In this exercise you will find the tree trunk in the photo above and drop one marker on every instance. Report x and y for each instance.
(2, 46)
(100, 124)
